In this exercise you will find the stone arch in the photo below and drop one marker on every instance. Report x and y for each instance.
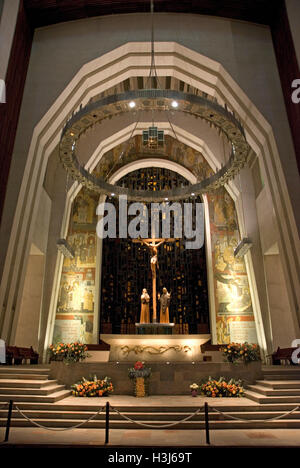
(93, 78)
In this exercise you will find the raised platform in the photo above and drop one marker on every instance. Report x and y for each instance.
(167, 378)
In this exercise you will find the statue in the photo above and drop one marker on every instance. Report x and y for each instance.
(152, 245)
(145, 312)
(164, 300)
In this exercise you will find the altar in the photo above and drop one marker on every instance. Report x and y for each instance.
(155, 348)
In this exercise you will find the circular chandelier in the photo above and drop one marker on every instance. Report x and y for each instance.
(145, 100)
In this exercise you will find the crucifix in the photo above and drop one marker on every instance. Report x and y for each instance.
(153, 245)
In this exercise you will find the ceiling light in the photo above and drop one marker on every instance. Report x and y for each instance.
(131, 104)
(174, 104)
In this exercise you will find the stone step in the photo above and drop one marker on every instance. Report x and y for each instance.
(54, 397)
(24, 369)
(281, 370)
(30, 391)
(80, 407)
(100, 424)
(25, 383)
(5, 376)
(263, 399)
(279, 384)
(170, 416)
(264, 390)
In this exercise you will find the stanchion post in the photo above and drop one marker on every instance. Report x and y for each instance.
(107, 423)
(10, 407)
(206, 423)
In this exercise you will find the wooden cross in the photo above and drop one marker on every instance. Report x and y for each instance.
(153, 244)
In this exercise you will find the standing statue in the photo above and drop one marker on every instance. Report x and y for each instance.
(145, 312)
(164, 300)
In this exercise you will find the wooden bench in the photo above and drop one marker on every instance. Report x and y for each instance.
(16, 355)
(282, 354)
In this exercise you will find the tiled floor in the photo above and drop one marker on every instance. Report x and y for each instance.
(175, 438)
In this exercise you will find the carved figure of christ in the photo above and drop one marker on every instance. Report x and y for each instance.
(153, 244)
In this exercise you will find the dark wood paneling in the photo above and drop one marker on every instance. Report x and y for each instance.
(47, 12)
(288, 70)
(15, 80)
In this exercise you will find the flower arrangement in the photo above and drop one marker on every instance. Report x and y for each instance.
(93, 387)
(245, 352)
(139, 370)
(68, 352)
(194, 386)
(194, 389)
(139, 374)
(220, 388)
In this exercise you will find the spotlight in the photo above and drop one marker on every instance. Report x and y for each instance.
(192, 194)
(243, 247)
(174, 104)
(131, 104)
(64, 247)
(112, 194)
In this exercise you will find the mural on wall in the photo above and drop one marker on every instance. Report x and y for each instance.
(75, 309)
(173, 150)
(234, 312)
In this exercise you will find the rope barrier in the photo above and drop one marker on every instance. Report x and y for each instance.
(261, 420)
(161, 426)
(58, 428)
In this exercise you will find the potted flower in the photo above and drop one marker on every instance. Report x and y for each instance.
(194, 389)
(140, 374)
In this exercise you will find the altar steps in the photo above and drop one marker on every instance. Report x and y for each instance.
(60, 416)
(29, 384)
(281, 384)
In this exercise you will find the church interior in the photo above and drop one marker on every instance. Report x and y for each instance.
(150, 205)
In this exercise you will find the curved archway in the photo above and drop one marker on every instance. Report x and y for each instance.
(204, 74)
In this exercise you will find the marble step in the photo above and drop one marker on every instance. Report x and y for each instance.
(263, 399)
(279, 384)
(222, 424)
(5, 376)
(30, 391)
(157, 416)
(26, 383)
(53, 398)
(264, 390)
(24, 369)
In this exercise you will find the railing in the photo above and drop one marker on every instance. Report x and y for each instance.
(109, 408)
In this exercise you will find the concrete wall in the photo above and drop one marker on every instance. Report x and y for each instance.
(59, 51)
(8, 18)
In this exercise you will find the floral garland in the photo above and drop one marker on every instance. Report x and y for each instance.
(220, 388)
(244, 352)
(93, 387)
(68, 352)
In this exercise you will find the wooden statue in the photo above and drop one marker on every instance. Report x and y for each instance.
(164, 299)
(145, 311)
